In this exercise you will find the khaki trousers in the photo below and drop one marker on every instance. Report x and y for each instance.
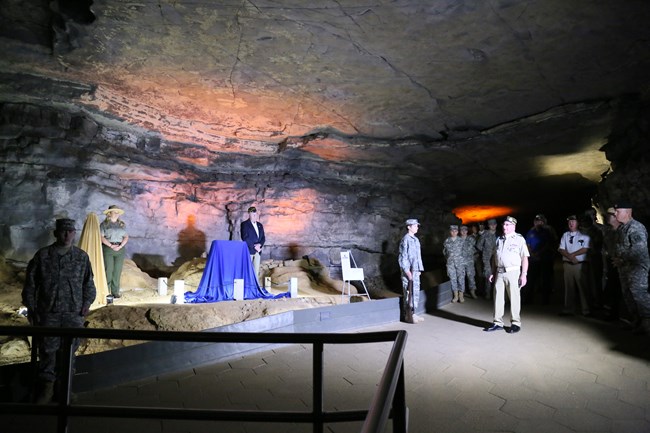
(256, 265)
(507, 281)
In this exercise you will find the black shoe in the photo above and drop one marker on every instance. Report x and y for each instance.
(117, 296)
(494, 327)
(514, 329)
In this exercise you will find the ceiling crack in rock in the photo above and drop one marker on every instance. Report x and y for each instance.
(237, 52)
(342, 9)
(529, 55)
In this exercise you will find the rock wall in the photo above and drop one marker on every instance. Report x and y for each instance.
(628, 149)
(60, 163)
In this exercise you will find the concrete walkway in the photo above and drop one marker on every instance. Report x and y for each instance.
(559, 374)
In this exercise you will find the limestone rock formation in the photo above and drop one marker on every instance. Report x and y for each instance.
(338, 120)
(142, 308)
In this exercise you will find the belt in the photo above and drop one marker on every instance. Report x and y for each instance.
(571, 263)
(501, 269)
(116, 243)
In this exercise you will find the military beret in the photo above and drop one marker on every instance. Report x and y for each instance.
(623, 205)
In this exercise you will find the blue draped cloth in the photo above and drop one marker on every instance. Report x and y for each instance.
(228, 261)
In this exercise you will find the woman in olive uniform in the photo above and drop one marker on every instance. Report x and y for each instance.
(114, 239)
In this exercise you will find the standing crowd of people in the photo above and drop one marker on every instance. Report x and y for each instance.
(602, 266)
(59, 287)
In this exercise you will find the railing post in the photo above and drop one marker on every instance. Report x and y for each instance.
(391, 392)
(36, 340)
(65, 382)
(318, 387)
(400, 417)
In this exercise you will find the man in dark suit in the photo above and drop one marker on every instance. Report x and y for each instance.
(252, 232)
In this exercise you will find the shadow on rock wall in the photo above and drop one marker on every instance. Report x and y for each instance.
(191, 242)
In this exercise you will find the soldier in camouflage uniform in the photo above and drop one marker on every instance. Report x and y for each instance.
(486, 244)
(469, 247)
(410, 263)
(452, 249)
(612, 291)
(633, 263)
(58, 292)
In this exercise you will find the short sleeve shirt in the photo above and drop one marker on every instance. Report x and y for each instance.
(510, 249)
(113, 231)
(572, 242)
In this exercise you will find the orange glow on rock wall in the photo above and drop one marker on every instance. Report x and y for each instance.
(289, 217)
(476, 213)
(180, 110)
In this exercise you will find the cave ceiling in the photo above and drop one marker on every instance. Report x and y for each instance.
(457, 93)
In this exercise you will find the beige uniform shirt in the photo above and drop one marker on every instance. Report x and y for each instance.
(509, 250)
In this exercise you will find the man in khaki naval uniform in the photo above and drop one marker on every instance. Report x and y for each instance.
(510, 265)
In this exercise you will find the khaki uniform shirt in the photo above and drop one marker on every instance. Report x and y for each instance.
(509, 251)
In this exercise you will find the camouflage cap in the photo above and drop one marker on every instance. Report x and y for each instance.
(463, 227)
(491, 221)
(453, 227)
(65, 224)
(611, 211)
(412, 221)
(511, 220)
(572, 218)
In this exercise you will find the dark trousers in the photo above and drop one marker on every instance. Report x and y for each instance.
(113, 263)
(540, 281)
(48, 347)
(612, 292)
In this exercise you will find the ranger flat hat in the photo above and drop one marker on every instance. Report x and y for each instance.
(113, 208)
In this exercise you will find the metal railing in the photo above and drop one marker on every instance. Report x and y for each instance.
(389, 400)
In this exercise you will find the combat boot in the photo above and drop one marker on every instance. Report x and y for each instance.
(46, 393)
(472, 294)
(455, 298)
(461, 297)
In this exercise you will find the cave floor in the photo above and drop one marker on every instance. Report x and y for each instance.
(559, 374)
